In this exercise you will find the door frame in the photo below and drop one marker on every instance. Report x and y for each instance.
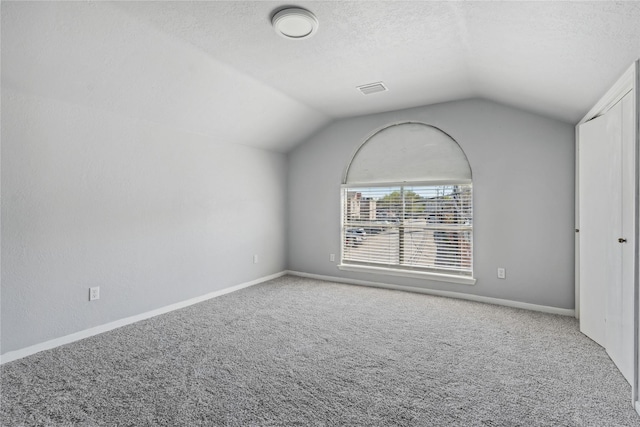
(629, 81)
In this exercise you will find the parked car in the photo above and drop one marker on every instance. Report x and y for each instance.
(353, 237)
(373, 227)
(359, 231)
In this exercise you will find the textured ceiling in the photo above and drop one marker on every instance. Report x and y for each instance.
(219, 69)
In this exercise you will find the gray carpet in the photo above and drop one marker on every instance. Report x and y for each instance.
(301, 352)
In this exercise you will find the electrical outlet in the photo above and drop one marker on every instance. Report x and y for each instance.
(94, 293)
(255, 259)
(332, 257)
(502, 273)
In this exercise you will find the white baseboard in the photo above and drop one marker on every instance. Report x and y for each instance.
(458, 295)
(28, 351)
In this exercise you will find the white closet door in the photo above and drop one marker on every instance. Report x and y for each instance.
(599, 203)
(620, 296)
(607, 232)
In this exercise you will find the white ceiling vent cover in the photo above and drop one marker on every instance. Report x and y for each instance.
(372, 88)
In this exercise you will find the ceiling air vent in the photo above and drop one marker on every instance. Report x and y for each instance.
(372, 88)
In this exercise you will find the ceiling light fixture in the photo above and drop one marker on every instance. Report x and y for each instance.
(295, 23)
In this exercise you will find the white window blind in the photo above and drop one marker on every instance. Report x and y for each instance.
(413, 227)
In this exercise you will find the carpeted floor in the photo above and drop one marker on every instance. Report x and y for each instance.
(301, 352)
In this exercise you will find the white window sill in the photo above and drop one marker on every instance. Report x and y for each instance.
(451, 278)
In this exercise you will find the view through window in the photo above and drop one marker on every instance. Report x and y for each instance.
(412, 227)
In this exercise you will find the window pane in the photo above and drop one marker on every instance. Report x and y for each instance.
(426, 228)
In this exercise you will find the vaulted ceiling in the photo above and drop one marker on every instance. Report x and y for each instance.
(219, 69)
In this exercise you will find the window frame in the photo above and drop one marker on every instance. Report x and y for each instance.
(400, 270)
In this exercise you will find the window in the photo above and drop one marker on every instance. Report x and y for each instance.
(421, 223)
(418, 227)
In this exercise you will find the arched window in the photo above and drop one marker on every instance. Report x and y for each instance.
(407, 206)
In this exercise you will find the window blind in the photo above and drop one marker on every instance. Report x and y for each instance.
(415, 227)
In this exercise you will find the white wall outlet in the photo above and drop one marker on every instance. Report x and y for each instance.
(502, 273)
(255, 259)
(94, 293)
(332, 257)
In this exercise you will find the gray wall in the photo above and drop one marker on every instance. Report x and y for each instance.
(523, 176)
(151, 215)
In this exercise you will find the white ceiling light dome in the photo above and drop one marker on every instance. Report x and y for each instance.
(295, 23)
